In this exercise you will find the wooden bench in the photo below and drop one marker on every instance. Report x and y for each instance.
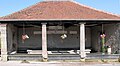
(34, 51)
(86, 51)
(37, 52)
(57, 52)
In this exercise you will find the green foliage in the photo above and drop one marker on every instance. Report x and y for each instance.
(119, 59)
(104, 61)
(103, 47)
(25, 61)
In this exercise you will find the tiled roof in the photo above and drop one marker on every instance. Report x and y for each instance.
(60, 10)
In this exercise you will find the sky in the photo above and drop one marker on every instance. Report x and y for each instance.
(10, 6)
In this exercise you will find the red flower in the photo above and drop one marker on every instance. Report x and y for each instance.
(24, 37)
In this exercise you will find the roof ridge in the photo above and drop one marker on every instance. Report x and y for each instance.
(57, 0)
(96, 9)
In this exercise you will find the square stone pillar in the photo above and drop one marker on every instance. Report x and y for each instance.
(44, 42)
(3, 32)
(82, 41)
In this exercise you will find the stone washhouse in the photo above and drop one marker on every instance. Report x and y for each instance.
(56, 26)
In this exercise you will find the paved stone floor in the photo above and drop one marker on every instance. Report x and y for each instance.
(55, 63)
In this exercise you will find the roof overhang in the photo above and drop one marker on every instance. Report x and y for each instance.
(61, 20)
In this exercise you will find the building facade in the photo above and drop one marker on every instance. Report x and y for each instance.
(58, 25)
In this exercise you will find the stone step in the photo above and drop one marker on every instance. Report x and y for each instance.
(39, 57)
(60, 57)
(106, 56)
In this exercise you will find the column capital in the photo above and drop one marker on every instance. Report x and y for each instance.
(3, 24)
(43, 23)
(82, 23)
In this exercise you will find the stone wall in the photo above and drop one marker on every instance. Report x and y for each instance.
(95, 35)
(93, 39)
(112, 39)
(12, 38)
(54, 41)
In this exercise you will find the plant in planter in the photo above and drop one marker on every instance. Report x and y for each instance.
(103, 42)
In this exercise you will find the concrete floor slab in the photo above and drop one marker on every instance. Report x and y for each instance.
(56, 63)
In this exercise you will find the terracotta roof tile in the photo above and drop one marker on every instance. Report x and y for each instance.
(59, 10)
